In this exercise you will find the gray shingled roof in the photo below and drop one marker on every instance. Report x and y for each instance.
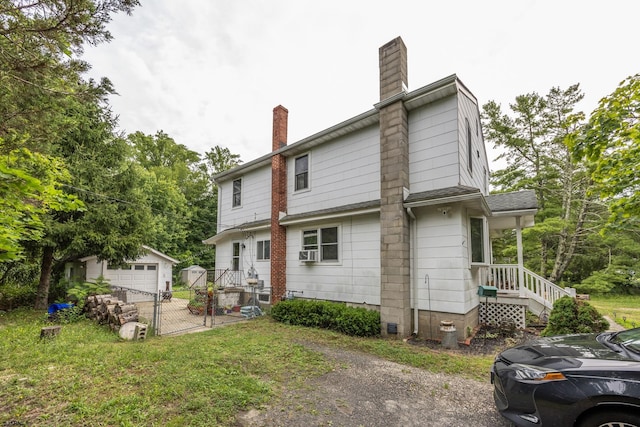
(337, 210)
(515, 201)
(441, 193)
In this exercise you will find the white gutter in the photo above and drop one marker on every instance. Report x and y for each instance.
(413, 276)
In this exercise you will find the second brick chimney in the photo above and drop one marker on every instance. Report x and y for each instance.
(278, 204)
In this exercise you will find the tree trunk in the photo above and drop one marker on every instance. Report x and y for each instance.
(42, 296)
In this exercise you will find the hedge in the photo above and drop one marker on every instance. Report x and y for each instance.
(328, 315)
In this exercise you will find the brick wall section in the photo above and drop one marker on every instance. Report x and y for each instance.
(395, 286)
(278, 204)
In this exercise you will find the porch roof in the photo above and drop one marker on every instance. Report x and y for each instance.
(247, 226)
(351, 209)
(506, 207)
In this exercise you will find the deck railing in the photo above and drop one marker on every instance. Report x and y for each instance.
(225, 278)
(505, 277)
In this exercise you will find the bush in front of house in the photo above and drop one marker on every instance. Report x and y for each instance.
(571, 316)
(328, 315)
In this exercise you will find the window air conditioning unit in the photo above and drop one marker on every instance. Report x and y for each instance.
(308, 256)
(264, 297)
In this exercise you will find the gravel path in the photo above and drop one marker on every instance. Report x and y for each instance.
(364, 390)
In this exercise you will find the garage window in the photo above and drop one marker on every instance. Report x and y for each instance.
(151, 267)
(138, 267)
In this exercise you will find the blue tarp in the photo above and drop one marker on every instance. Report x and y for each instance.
(58, 306)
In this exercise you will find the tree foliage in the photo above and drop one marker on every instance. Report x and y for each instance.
(611, 143)
(535, 139)
(71, 184)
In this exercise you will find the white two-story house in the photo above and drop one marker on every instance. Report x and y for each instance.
(388, 210)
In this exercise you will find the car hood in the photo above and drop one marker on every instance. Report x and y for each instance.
(563, 351)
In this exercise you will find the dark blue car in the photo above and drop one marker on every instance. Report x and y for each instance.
(585, 380)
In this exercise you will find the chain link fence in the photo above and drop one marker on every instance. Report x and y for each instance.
(167, 315)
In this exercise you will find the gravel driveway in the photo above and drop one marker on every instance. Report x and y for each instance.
(364, 390)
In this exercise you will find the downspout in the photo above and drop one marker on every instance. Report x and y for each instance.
(414, 269)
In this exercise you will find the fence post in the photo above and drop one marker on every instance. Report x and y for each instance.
(156, 317)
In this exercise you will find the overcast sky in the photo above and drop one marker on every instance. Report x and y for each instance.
(210, 72)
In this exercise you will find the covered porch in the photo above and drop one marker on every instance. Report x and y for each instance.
(516, 285)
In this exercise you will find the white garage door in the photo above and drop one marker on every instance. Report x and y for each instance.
(142, 277)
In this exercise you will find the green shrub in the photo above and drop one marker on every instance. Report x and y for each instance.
(67, 315)
(571, 316)
(79, 291)
(328, 315)
(13, 295)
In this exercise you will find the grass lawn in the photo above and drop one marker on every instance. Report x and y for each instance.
(624, 309)
(88, 376)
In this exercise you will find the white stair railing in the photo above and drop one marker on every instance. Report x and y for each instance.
(505, 278)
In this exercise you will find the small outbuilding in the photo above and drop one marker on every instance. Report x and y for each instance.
(149, 273)
(194, 276)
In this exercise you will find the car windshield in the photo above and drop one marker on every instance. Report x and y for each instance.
(629, 339)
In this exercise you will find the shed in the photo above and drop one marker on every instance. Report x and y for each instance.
(149, 273)
(194, 276)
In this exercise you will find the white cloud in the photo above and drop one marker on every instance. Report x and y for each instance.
(210, 73)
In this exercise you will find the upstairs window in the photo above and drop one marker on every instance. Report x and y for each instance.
(469, 147)
(237, 193)
(302, 172)
(264, 250)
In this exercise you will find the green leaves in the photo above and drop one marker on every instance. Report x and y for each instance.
(611, 142)
(29, 189)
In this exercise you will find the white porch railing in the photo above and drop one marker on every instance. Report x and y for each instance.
(505, 278)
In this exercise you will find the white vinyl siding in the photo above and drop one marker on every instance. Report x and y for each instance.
(355, 279)
(256, 200)
(443, 277)
(472, 153)
(341, 172)
(433, 146)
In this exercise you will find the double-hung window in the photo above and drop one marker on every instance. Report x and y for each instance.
(302, 173)
(323, 240)
(264, 250)
(237, 192)
(469, 147)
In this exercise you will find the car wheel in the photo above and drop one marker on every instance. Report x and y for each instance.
(611, 419)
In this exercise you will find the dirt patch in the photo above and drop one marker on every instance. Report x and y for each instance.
(486, 340)
(363, 390)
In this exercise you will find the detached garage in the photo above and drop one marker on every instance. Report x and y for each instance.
(151, 273)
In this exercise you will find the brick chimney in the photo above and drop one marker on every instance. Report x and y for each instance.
(278, 204)
(395, 283)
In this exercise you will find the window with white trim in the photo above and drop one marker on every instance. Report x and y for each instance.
(301, 173)
(235, 257)
(324, 240)
(469, 147)
(237, 193)
(476, 228)
(264, 250)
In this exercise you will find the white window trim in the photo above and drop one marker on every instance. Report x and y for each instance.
(485, 242)
(258, 259)
(469, 140)
(318, 229)
(303, 190)
(241, 179)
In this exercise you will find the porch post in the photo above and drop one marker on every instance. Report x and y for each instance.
(521, 286)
